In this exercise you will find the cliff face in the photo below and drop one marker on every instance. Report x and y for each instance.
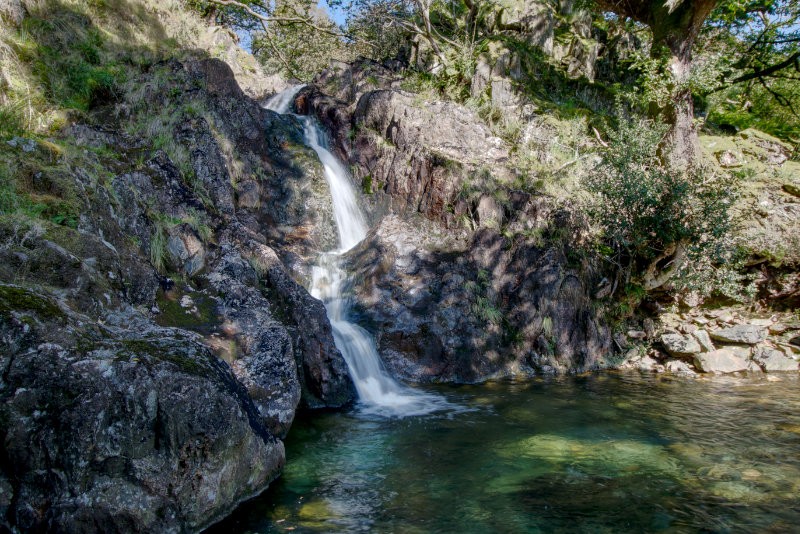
(155, 343)
(465, 276)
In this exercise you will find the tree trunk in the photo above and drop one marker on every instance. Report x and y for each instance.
(681, 147)
(675, 25)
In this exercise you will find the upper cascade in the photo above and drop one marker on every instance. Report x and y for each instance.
(378, 392)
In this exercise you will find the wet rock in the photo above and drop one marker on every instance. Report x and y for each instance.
(747, 334)
(679, 367)
(720, 361)
(680, 345)
(321, 368)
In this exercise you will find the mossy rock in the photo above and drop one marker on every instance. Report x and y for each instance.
(19, 299)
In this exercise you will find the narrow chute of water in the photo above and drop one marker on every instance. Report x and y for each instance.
(378, 392)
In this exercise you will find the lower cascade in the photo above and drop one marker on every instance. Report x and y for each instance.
(378, 392)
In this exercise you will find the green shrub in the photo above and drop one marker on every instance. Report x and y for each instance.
(658, 223)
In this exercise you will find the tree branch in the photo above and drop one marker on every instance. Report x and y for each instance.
(794, 59)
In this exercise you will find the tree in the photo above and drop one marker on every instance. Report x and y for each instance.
(675, 25)
(294, 37)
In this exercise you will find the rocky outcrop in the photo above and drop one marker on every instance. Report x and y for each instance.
(156, 347)
(445, 302)
(120, 426)
(445, 307)
(724, 340)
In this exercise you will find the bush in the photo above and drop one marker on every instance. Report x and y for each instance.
(659, 224)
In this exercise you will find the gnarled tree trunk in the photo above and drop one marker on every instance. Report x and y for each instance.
(675, 25)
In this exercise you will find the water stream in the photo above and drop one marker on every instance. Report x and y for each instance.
(378, 392)
(604, 453)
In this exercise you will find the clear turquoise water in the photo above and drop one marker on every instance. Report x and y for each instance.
(600, 453)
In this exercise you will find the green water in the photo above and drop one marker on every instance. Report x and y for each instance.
(601, 453)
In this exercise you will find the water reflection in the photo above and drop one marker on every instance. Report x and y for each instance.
(603, 453)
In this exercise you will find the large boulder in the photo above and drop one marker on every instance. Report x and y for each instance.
(680, 345)
(744, 333)
(104, 429)
(772, 360)
(720, 361)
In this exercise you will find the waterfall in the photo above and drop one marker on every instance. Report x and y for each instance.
(377, 391)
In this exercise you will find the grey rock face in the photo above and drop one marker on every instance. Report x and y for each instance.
(746, 334)
(680, 345)
(720, 361)
(772, 360)
(104, 430)
(453, 311)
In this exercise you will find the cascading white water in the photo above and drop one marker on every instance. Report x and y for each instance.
(377, 391)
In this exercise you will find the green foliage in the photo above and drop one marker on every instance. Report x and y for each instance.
(366, 184)
(12, 121)
(483, 306)
(297, 50)
(13, 201)
(648, 212)
(158, 246)
(196, 222)
(71, 68)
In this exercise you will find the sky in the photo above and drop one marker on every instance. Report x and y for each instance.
(337, 15)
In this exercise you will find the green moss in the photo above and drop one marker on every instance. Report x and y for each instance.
(18, 299)
(142, 348)
(203, 321)
(366, 184)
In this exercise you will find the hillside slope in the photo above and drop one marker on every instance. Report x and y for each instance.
(155, 346)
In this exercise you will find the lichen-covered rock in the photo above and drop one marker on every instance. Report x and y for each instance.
(743, 333)
(772, 360)
(720, 361)
(134, 428)
(704, 339)
(680, 345)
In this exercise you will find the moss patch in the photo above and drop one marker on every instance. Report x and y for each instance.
(200, 317)
(18, 299)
